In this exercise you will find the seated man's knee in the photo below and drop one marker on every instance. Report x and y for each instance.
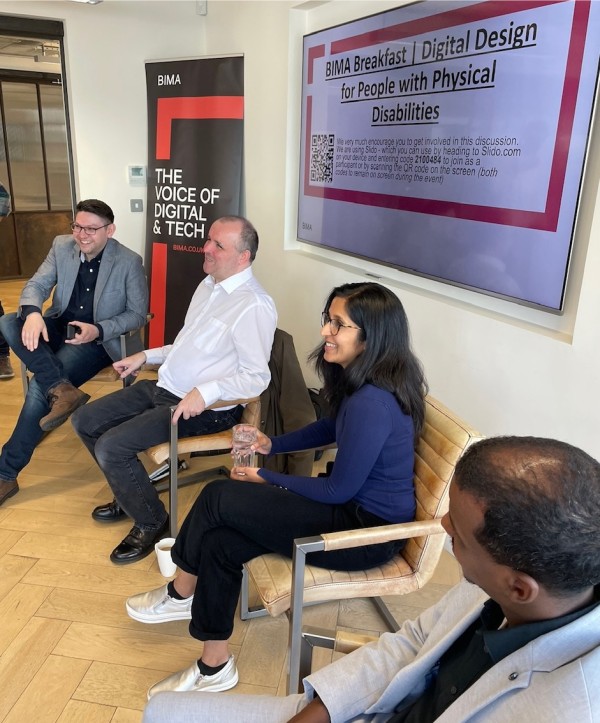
(79, 420)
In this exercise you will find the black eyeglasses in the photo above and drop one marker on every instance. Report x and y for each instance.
(87, 230)
(334, 324)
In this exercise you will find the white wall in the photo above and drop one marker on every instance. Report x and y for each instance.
(504, 369)
(495, 363)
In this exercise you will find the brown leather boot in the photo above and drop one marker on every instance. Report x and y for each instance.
(64, 399)
(8, 488)
(6, 370)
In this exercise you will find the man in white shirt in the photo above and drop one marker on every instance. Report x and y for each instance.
(222, 352)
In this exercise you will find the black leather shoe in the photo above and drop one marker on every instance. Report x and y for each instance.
(108, 513)
(138, 544)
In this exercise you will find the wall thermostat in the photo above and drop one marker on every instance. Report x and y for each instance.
(137, 175)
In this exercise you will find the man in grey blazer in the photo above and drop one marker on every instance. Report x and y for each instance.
(100, 292)
(519, 639)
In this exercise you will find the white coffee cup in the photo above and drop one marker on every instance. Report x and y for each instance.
(163, 554)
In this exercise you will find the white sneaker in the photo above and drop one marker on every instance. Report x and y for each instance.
(157, 606)
(191, 679)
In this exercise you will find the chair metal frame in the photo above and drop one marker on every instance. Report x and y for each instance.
(205, 443)
(422, 529)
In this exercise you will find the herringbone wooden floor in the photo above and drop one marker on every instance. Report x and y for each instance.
(68, 651)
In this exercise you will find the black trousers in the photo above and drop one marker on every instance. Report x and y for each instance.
(232, 522)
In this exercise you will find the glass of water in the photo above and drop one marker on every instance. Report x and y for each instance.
(244, 436)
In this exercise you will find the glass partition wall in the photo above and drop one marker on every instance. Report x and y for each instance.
(35, 156)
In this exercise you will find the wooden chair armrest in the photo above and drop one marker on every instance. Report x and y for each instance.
(201, 443)
(385, 533)
(231, 402)
(146, 367)
(340, 641)
(346, 641)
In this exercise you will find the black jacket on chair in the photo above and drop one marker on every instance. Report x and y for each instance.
(286, 406)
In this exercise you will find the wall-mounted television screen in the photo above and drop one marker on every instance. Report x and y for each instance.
(448, 139)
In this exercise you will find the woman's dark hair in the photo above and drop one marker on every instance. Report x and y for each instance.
(387, 361)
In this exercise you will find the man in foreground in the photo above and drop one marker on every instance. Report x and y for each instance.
(518, 639)
(222, 353)
(100, 292)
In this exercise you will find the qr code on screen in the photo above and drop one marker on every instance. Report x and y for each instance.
(321, 158)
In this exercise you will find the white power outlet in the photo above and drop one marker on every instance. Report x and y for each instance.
(201, 7)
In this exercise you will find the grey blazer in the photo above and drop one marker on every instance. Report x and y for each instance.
(555, 678)
(120, 298)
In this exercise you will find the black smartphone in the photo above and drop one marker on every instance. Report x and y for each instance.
(73, 329)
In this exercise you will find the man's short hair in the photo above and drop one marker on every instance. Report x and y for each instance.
(542, 508)
(93, 205)
(248, 235)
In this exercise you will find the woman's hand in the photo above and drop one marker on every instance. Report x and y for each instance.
(262, 445)
(247, 474)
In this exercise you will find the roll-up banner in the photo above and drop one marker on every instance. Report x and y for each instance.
(195, 144)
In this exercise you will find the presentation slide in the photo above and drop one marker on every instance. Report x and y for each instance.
(448, 139)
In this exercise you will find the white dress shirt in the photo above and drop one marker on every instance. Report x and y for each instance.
(224, 346)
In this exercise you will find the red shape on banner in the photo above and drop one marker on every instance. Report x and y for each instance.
(158, 294)
(169, 109)
(318, 51)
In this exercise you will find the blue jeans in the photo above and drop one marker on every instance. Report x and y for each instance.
(118, 426)
(74, 363)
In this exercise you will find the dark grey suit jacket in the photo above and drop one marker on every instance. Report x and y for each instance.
(120, 298)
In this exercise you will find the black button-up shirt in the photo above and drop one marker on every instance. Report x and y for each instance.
(81, 303)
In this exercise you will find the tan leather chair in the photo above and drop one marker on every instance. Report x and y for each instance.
(286, 585)
(206, 443)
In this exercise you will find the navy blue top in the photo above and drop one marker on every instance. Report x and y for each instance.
(374, 461)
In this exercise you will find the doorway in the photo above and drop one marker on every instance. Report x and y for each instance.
(35, 148)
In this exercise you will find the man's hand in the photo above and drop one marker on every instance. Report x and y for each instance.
(130, 365)
(88, 333)
(315, 712)
(191, 405)
(33, 326)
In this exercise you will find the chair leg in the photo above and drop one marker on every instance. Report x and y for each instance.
(386, 614)
(302, 547)
(247, 613)
(24, 379)
(173, 476)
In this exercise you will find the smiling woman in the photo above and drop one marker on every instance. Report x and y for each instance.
(340, 348)
(376, 389)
